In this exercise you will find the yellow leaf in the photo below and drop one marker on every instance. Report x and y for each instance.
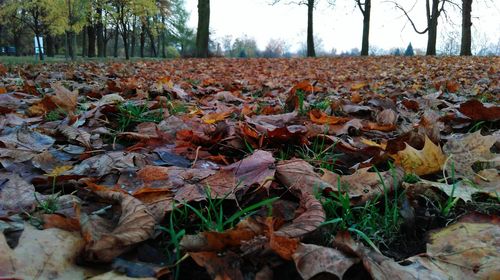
(59, 170)
(371, 143)
(421, 162)
(215, 117)
(358, 86)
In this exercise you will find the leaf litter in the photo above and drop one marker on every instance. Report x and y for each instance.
(384, 167)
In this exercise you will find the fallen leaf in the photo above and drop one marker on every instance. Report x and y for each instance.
(136, 224)
(216, 241)
(43, 254)
(364, 185)
(258, 168)
(467, 249)
(421, 162)
(15, 193)
(387, 116)
(298, 174)
(219, 267)
(159, 201)
(25, 138)
(382, 267)
(466, 149)
(215, 117)
(310, 215)
(312, 260)
(320, 117)
(476, 110)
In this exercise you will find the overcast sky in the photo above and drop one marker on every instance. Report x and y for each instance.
(340, 27)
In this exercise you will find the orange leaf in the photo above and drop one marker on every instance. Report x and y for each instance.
(322, 118)
(153, 173)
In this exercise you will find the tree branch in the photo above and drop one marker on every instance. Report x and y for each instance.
(358, 2)
(409, 19)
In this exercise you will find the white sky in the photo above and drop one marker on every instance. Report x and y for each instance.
(340, 27)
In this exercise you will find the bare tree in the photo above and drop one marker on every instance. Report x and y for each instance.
(433, 9)
(365, 8)
(466, 44)
(310, 13)
(202, 34)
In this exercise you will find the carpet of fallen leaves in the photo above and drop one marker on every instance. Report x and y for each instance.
(219, 168)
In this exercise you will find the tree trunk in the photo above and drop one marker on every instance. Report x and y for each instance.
(202, 34)
(49, 40)
(466, 45)
(115, 52)
(101, 44)
(71, 44)
(17, 43)
(431, 39)
(91, 34)
(432, 23)
(142, 39)
(152, 48)
(365, 45)
(84, 42)
(125, 40)
(310, 34)
(133, 39)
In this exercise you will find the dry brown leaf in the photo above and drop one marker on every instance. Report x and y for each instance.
(387, 116)
(312, 260)
(465, 250)
(136, 224)
(64, 98)
(15, 193)
(258, 168)
(216, 241)
(298, 174)
(159, 201)
(476, 110)
(112, 275)
(320, 117)
(309, 217)
(43, 254)
(421, 162)
(364, 185)
(382, 267)
(219, 267)
(466, 149)
(75, 134)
